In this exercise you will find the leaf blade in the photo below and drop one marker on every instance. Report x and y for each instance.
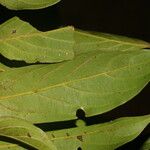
(28, 4)
(20, 41)
(25, 132)
(10, 146)
(81, 83)
(106, 136)
(109, 136)
(146, 145)
(86, 42)
(3, 67)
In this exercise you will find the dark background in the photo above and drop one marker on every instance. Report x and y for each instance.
(125, 17)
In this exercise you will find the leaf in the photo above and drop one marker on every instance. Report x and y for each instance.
(10, 146)
(3, 67)
(96, 82)
(27, 4)
(107, 136)
(85, 42)
(24, 132)
(146, 145)
(20, 41)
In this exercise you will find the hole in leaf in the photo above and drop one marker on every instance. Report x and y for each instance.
(80, 113)
(79, 148)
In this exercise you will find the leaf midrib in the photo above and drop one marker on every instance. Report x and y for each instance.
(120, 42)
(67, 82)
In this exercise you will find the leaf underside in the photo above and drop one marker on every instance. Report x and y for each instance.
(86, 42)
(24, 132)
(27, 4)
(3, 67)
(106, 136)
(106, 72)
(20, 41)
(95, 82)
(146, 145)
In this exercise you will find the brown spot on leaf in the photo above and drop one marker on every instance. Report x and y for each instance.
(67, 134)
(29, 135)
(13, 31)
(53, 135)
(80, 138)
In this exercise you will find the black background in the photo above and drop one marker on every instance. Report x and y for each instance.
(124, 17)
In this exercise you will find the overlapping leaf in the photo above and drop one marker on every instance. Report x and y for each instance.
(20, 41)
(107, 71)
(107, 136)
(27, 4)
(96, 82)
(24, 132)
(86, 41)
(10, 146)
(3, 67)
(146, 145)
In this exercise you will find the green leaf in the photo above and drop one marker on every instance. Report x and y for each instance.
(146, 145)
(85, 42)
(24, 132)
(27, 4)
(107, 136)
(96, 82)
(20, 41)
(3, 67)
(10, 146)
